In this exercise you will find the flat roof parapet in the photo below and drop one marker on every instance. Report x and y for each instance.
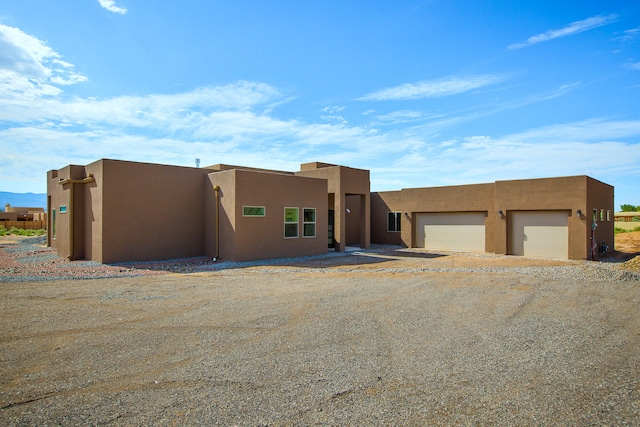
(315, 165)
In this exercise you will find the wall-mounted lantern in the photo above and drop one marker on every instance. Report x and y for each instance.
(501, 214)
(579, 213)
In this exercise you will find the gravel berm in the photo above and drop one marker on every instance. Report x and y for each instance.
(379, 337)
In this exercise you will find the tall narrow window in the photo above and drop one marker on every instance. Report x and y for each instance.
(290, 223)
(608, 215)
(601, 214)
(595, 214)
(53, 223)
(393, 221)
(309, 222)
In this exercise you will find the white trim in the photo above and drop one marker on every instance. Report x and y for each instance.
(314, 222)
(297, 223)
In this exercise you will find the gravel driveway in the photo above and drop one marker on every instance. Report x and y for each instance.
(366, 338)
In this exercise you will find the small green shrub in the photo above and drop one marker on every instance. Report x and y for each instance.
(21, 232)
(617, 230)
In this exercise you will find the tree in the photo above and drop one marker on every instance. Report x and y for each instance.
(629, 208)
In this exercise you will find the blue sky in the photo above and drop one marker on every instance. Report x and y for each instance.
(422, 93)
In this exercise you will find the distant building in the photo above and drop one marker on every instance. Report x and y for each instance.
(14, 213)
(627, 220)
(115, 211)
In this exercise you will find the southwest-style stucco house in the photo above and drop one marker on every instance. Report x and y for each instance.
(115, 211)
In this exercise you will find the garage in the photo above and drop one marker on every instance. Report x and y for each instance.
(458, 231)
(542, 234)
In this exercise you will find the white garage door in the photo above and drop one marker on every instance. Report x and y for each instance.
(451, 231)
(540, 234)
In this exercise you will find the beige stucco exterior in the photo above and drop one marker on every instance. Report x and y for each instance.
(115, 211)
(348, 197)
(499, 201)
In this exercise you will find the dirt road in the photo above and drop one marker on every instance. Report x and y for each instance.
(402, 338)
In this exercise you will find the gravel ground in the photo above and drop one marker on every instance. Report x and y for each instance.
(383, 337)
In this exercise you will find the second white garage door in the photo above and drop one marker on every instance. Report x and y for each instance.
(540, 234)
(460, 231)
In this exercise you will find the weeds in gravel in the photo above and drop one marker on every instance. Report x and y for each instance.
(617, 230)
(21, 232)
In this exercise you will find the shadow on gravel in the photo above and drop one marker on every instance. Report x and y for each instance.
(617, 257)
(330, 259)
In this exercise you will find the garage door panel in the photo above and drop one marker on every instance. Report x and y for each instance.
(540, 234)
(452, 231)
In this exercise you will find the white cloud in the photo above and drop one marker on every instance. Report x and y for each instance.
(110, 5)
(433, 88)
(599, 148)
(634, 65)
(571, 29)
(29, 69)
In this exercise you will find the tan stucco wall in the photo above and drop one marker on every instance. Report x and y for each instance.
(567, 194)
(546, 194)
(465, 198)
(248, 238)
(343, 181)
(600, 196)
(159, 216)
(381, 204)
(60, 195)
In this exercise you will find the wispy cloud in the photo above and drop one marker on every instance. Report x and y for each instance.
(559, 150)
(110, 5)
(629, 35)
(433, 88)
(634, 65)
(571, 29)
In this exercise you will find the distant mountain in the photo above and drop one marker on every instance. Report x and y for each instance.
(28, 200)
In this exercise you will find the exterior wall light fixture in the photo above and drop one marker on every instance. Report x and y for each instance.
(579, 213)
(501, 214)
(407, 215)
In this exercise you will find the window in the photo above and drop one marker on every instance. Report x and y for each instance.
(253, 211)
(608, 215)
(595, 214)
(53, 224)
(63, 209)
(309, 222)
(290, 223)
(393, 221)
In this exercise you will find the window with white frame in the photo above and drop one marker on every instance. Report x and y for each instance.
(290, 223)
(393, 221)
(309, 222)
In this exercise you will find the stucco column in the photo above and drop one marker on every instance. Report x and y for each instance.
(365, 221)
(340, 231)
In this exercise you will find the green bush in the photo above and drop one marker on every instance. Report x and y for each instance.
(617, 230)
(21, 232)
